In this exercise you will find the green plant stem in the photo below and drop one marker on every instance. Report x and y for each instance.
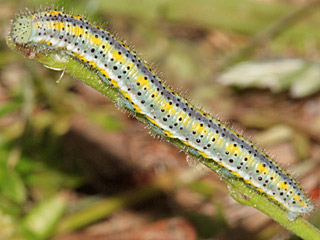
(243, 193)
(103, 208)
(270, 33)
(239, 190)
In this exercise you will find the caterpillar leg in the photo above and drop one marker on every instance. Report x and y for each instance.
(292, 215)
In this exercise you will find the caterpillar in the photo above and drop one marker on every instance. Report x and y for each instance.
(166, 112)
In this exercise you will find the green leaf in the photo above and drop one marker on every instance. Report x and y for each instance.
(7, 226)
(49, 181)
(12, 186)
(9, 107)
(42, 218)
(307, 83)
(300, 77)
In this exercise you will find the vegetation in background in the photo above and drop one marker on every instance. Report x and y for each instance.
(57, 156)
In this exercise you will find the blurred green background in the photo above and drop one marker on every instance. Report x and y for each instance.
(72, 166)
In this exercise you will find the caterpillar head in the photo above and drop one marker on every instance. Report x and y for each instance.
(21, 29)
